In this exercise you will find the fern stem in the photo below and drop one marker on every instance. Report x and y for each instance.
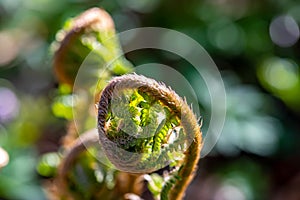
(86, 140)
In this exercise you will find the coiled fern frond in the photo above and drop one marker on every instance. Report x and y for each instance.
(143, 124)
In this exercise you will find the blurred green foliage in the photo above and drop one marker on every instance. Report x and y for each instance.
(257, 156)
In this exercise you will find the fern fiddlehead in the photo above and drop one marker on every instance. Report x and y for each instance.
(81, 35)
(135, 149)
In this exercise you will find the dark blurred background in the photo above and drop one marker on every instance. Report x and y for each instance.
(254, 44)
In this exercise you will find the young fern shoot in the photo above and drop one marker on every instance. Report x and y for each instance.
(136, 115)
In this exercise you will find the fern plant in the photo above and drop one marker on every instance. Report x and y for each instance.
(143, 125)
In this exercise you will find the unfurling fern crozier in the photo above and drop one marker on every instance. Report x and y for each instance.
(144, 125)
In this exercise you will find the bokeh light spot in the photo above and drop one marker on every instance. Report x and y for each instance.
(284, 31)
(9, 105)
(8, 48)
(62, 107)
(48, 164)
(4, 158)
(281, 74)
(229, 192)
(227, 36)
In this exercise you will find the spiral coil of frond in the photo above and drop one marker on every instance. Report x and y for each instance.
(136, 118)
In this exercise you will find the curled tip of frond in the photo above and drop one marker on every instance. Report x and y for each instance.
(95, 18)
(92, 20)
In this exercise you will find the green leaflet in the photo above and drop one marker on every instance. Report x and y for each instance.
(139, 123)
